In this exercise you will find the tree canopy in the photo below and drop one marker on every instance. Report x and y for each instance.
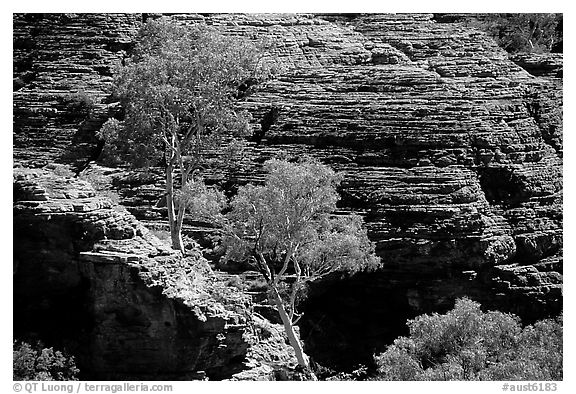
(289, 220)
(182, 82)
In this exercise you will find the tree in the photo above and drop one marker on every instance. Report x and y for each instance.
(178, 93)
(287, 230)
(468, 344)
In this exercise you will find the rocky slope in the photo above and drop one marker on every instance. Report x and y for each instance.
(450, 150)
(91, 279)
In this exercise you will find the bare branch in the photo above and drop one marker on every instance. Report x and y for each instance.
(264, 264)
(298, 317)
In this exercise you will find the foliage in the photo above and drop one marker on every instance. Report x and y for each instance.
(289, 218)
(181, 82)
(39, 363)
(112, 151)
(202, 202)
(78, 105)
(337, 244)
(522, 32)
(468, 344)
(81, 101)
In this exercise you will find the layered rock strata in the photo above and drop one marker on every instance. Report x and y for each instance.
(62, 78)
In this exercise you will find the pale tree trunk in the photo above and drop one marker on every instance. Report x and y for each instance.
(174, 221)
(178, 225)
(289, 328)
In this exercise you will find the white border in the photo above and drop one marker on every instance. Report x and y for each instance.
(301, 6)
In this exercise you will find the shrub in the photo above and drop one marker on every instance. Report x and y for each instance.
(39, 363)
(112, 150)
(79, 104)
(468, 344)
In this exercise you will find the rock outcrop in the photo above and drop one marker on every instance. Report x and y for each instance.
(450, 150)
(90, 278)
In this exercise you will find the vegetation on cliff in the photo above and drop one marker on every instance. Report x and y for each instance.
(39, 363)
(286, 230)
(178, 92)
(540, 33)
(426, 172)
(468, 344)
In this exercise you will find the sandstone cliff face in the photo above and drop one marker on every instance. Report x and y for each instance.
(62, 76)
(451, 151)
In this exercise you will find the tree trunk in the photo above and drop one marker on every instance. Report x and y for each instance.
(178, 230)
(289, 328)
(175, 227)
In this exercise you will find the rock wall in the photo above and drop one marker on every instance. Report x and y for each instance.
(62, 78)
(451, 151)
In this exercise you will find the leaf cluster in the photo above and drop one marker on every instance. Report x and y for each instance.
(79, 104)
(182, 82)
(468, 344)
(291, 217)
(202, 202)
(39, 363)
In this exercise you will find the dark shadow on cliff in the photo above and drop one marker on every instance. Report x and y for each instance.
(348, 320)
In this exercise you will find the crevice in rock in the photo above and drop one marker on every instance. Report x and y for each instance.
(501, 186)
(347, 321)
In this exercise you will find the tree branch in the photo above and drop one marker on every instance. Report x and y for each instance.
(299, 316)
(266, 270)
(289, 254)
